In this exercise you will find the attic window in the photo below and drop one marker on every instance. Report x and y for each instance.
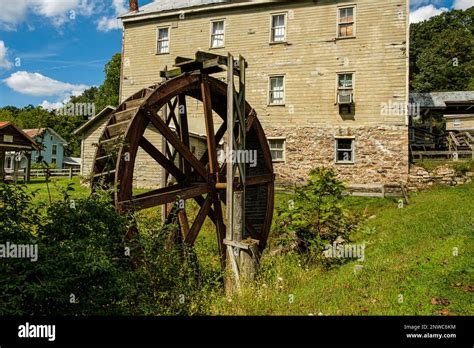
(8, 138)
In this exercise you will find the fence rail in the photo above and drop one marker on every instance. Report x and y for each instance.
(70, 172)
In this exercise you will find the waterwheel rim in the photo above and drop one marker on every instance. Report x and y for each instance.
(195, 181)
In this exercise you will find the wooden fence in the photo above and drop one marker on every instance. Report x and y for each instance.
(42, 173)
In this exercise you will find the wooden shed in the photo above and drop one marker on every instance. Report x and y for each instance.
(14, 140)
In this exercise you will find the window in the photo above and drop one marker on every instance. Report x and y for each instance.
(53, 160)
(346, 22)
(277, 90)
(345, 81)
(277, 149)
(54, 150)
(345, 88)
(163, 40)
(8, 138)
(217, 34)
(278, 31)
(345, 150)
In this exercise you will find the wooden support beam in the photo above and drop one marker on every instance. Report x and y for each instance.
(164, 195)
(173, 139)
(161, 159)
(198, 222)
(184, 129)
(211, 140)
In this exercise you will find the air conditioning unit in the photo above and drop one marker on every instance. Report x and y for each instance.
(345, 98)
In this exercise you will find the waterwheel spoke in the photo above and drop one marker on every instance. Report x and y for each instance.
(219, 135)
(161, 159)
(184, 129)
(173, 139)
(211, 139)
(165, 195)
(198, 222)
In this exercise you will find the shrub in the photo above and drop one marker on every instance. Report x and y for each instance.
(314, 216)
(84, 266)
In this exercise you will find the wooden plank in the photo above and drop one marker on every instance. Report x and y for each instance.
(229, 149)
(164, 195)
(161, 159)
(198, 222)
(219, 135)
(117, 128)
(256, 180)
(211, 140)
(173, 139)
(125, 115)
(184, 128)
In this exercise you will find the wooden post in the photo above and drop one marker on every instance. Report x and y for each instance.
(2, 165)
(164, 145)
(70, 173)
(16, 166)
(28, 168)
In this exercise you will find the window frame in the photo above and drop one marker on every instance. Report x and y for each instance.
(354, 22)
(211, 36)
(269, 101)
(54, 150)
(283, 150)
(168, 27)
(285, 16)
(337, 150)
(345, 89)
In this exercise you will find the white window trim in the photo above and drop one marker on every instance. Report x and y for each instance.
(353, 83)
(284, 149)
(169, 40)
(269, 103)
(336, 139)
(285, 14)
(354, 30)
(211, 34)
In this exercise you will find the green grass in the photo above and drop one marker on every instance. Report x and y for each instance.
(410, 252)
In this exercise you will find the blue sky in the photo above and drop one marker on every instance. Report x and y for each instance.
(51, 49)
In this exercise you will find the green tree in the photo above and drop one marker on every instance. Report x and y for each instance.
(108, 93)
(442, 52)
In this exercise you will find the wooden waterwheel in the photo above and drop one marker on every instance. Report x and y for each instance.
(202, 179)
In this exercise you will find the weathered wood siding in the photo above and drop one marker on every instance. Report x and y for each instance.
(310, 61)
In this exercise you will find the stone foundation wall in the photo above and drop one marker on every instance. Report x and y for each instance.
(420, 178)
(381, 153)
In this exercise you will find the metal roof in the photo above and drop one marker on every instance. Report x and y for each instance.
(169, 5)
(439, 99)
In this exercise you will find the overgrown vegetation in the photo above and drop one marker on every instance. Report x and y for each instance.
(84, 265)
(417, 259)
(314, 216)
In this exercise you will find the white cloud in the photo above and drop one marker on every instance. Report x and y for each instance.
(111, 23)
(38, 85)
(58, 11)
(463, 4)
(51, 106)
(108, 24)
(425, 12)
(4, 62)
